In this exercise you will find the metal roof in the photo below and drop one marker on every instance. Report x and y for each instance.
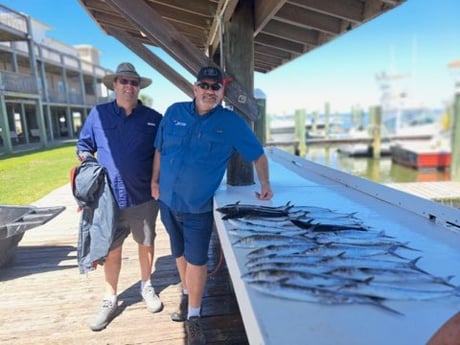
(190, 31)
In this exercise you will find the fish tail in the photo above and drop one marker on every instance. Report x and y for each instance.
(413, 265)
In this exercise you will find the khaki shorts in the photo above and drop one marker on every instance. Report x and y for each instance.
(138, 220)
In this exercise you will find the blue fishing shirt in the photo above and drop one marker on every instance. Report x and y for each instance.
(124, 147)
(195, 151)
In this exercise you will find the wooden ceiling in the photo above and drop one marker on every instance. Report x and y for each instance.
(191, 30)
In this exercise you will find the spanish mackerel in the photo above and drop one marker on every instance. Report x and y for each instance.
(238, 210)
(295, 291)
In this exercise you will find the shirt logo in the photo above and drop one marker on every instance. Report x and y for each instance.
(179, 123)
(151, 124)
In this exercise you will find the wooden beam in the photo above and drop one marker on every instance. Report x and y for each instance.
(143, 16)
(281, 54)
(291, 32)
(351, 10)
(278, 43)
(264, 11)
(203, 8)
(154, 61)
(304, 18)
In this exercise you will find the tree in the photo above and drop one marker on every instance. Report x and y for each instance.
(146, 99)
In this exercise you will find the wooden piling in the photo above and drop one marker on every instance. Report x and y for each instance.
(376, 133)
(455, 141)
(327, 114)
(300, 117)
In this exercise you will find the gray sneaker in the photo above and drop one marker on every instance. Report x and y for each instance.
(152, 300)
(195, 335)
(180, 314)
(104, 316)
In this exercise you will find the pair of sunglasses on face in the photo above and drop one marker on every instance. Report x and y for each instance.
(206, 86)
(131, 82)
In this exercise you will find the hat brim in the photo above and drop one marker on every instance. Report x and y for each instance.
(110, 78)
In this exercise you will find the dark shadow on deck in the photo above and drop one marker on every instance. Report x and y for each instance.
(38, 259)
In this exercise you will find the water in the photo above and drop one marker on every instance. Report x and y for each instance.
(381, 170)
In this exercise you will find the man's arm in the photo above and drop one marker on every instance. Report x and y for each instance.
(154, 184)
(261, 165)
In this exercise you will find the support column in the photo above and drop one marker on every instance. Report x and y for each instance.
(239, 63)
(6, 137)
(260, 126)
(327, 116)
(300, 116)
(376, 125)
(38, 102)
(455, 141)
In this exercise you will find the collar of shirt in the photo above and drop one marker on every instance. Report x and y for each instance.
(121, 111)
(209, 113)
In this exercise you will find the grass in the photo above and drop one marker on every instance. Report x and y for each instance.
(27, 177)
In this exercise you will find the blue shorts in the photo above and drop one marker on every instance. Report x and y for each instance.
(189, 233)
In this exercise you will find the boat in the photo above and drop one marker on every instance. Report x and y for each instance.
(364, 150)
(15, 220)
(403, 116)
(422, 154)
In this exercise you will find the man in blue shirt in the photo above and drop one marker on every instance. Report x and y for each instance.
(194, 144)
(122, 134)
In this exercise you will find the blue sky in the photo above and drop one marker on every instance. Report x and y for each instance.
(419, 38)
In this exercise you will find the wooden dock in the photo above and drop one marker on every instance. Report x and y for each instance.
(438, 190)
(44, 299)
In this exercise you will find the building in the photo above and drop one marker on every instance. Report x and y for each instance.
(46, 87)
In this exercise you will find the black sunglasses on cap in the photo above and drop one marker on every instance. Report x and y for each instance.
(206, 86)
(123, 81)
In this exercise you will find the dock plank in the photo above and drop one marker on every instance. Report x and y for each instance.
(437, 190)
(45, 300)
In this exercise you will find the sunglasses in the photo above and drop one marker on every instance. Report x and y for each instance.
(213, 87)
(123, 81)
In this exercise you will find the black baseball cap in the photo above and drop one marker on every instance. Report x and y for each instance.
(210, 72)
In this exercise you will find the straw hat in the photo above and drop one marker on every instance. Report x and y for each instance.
(125, 69)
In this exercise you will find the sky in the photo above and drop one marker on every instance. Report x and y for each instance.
(418, 38)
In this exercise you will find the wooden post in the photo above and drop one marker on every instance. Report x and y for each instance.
(327, 113)
(239, 62)
(300, 116)
(455, 141)
(355, 120)
(376, 125)
(260, 126)
(314, 126)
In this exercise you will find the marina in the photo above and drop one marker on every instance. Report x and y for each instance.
(369, 203)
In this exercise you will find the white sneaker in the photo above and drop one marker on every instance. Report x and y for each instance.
(152, 300)
(104, 315)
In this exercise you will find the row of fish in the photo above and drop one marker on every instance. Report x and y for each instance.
(316, 254)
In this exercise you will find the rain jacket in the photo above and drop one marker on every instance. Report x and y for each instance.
(99, 214)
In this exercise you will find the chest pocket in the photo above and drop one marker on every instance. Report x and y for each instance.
(213, 146)
(106, 135)
(143, 136)
(175, 138)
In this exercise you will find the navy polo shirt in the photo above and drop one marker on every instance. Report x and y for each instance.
(124, 146)
(195, 151)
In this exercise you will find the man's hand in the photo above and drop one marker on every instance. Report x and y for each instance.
(155, 190)
(266, 192)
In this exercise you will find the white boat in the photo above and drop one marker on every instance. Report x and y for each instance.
(404, 117)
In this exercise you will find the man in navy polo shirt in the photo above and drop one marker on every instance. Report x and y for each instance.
(194, 144)
(121, 134)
